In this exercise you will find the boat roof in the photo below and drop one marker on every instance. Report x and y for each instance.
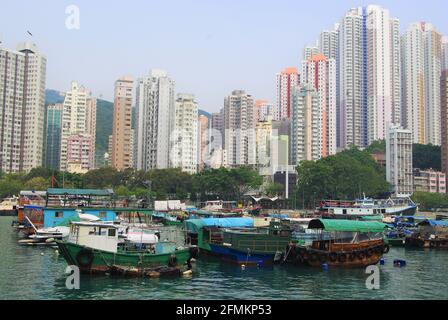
(194, 225)
(347, 225)
(79, 192)
(95, 224)
(434, 223)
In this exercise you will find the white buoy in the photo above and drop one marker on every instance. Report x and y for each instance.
(243, 267)
(41, 253)
(56, 252)
(187, 273)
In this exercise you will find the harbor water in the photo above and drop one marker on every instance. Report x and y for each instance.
(39, 273)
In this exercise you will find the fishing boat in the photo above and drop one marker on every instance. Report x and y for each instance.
(343, 243)
(254, 246)
(366, 207)
(431, 234)
(403, 227)
(95, 248)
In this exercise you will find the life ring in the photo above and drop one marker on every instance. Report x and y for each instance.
(351, 256)
(172, 262)
(342, 257)
(84, 258)
(333, 256)
(386, 248)
(369, 252)
(360, 254)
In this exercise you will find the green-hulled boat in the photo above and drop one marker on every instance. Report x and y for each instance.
(95, 248)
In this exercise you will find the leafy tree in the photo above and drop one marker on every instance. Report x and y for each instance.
(38, 184)
(429, 201)
(427, 157)
(273, 189)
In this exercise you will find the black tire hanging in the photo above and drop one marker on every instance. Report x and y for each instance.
(84, 258)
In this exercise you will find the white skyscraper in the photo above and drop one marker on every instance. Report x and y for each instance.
(319, 73)
(78, 117)
(399, 171)
(422, 65)
(155, 120)
(352, 80)
(307, 125)
(383, 71)
(239, 126)
(329, 42)
(444, 53)
(22, 108)
(184, 139)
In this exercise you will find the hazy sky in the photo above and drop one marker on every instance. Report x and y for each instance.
(209, 47)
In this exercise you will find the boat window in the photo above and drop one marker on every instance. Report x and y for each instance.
(111, 232)
(344, 211)
(58, 214)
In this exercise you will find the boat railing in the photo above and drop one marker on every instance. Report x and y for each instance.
(261, 245)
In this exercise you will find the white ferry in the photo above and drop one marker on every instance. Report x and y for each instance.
(368, 207)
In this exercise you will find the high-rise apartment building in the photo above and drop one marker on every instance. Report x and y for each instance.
(286, 80)
(421, 65)
(319, 73)
(184, 138)
(264, 110)
(444, 53)
(444, 119)
(122, 134)
(78, 118)
(53, 136)
(80, 153)
(22, 108)
(383, 71)
(352, 57)
(307, 125)
(309, 52)
(203, 141)
(399, 171)
(329, 42)
(155, 120)
(239, 126)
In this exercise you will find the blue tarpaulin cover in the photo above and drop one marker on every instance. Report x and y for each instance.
(434, 223)
(195, 225)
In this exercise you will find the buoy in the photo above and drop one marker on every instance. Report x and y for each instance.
(243, 267)
(399, 263)
(325, 266)
(382, 261)
(192, 260)
(41, 253)
(187, 273)
(56, 252)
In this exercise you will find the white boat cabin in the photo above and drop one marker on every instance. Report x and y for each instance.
(99, 236)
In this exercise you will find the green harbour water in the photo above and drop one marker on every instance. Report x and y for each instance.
(39, 273)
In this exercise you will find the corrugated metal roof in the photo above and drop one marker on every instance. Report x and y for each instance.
(80, 192)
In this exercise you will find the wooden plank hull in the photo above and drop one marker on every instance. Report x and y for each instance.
(346, 255)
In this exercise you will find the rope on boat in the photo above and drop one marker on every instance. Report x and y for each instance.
(287, 254)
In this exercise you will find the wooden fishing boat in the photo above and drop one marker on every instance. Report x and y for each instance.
(343, 243)
(95, 248)
(432, 234)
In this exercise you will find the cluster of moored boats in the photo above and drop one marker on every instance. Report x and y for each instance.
(100, 237)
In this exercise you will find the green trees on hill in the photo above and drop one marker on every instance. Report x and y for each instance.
(347, 175)
(161, 184)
